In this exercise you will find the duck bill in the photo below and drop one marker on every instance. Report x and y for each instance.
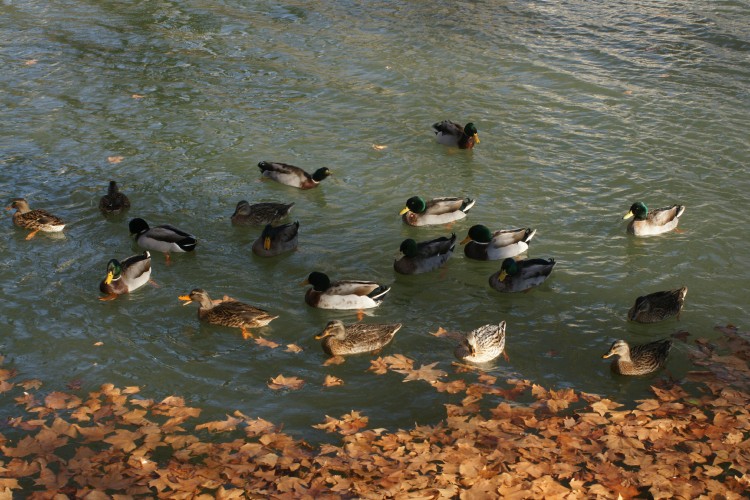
(608, 355)
(109, 278)
(186, 298)
(628, 215)
(502, 275)
(267, 242)
(403, 211)
(466, 240)
(476, 138)
(323, 335)
(304, 283)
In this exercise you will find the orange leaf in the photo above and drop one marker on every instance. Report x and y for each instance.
(425, 372)
(229, 424)
(293, 348)
(282, 382)
(334, 360)
(266, 343)
(115, 159)
(332, 381)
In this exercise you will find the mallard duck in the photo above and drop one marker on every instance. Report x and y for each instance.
(436, 211)
(228, 312)
(293, 176)
(658, 306)
(481, 244)
(114, 201)
(657, 221)
(520, 275)
(259, 214)
(482, 344)
(164, 238)
(126, 276)
(452, 134)
(36, 220)
(276, 240)
(424, 256)
(340, 340)
(344, 294)
(639, 359)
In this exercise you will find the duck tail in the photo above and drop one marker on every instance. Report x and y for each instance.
(187, 244)
(468, 203)
(529, 234)
(379, 293)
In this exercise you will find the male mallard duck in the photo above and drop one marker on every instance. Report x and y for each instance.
(452, 134)
(657, 221)
(658, 306)
(276, 240)
(126, 276)
(520, 275)
(291, 175)
(259, 213)
(36, 220)
(639, 359)
(424, 256)
(436, 211)
(344, 294)
(114, 201)
(164, 238)
(482, 344)
(228, 312)
(481, 244)
(340, 340)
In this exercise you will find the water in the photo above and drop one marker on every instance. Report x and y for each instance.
(582, 109)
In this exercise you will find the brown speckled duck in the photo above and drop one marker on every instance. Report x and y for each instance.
(658, 306)
(36, 220)
(341, 340)
(228, 312)
(639, 359)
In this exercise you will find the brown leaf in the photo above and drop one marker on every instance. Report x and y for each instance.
(331, 381)
(399, 362)
(378, 366)
(293, 348)
(334, 360)
(266, 343)
(115, 159)
(229, 424)
(282, 382)
(425, 372)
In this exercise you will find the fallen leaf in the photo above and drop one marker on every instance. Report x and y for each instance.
(30, 62)
(293, 348)
(265, 343)
(137, 96)
(334, 360)
(379, 147)
(425, 372)
(331, 381)
(115, 159)
(282, 382)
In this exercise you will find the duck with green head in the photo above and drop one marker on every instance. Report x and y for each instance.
(521, 275)
(482, 244)
(164, 238)
(657, 221)
(453, 134)
(424, 256)
(419, 212)
(343, 294)
(639, 359)
(291, 175)
(114, 201)
(275, 240)
(126, 275)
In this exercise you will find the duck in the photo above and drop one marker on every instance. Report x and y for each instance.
(259, 214)
(341, 340)
(657, 221)
(481, 244)
(276, 240)
(126, 275)
(164, 238)
(658, 306)
(453, 134)
(521, 275)
(291, 175)
(639, 359)
(482, 344)
(228, 312)
(424, 256)
(36, 220)
(343, 294)
(419, 212)
(114, 201)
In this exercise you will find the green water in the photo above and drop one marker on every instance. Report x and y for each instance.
(582, 109)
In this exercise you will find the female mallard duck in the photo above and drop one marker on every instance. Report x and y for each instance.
(228, 312)
(481, 244)
(658, 306)
(126, 276)
(344, 294)
(291, 175)
(340, 340)
(114, 201)
(259, 214)
(639, 359)
(424, 256)
(520, 275)
(276, 240)
(436, 211)
(657, 221)
(164, 238)
(36, 220)
(452, 134)
(482, 344)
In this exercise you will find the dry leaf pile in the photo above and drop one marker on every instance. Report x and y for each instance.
(112, 443)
